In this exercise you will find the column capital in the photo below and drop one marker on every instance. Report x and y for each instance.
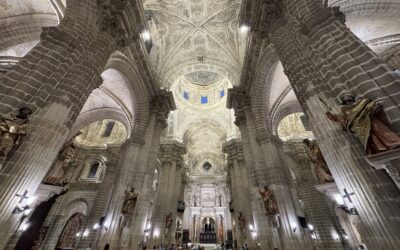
(267, 137)
(270, 12)
(171, 150)
(118, 19)
(238, 100)
(234, 149)
(161, 105)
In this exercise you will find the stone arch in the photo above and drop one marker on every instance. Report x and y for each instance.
(260, 91)
(141, 92)
(91, 116)
(75, 206)
(283, 111)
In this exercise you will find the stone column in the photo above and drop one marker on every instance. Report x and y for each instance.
(239, 184)
(267, 170)
(99, 207)
(169, 190)
(54, 81)
(323, 60)
(317, 207)
(136, 171)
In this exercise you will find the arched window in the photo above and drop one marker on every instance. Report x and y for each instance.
(70, 232)
(93, 170)
(109, 129)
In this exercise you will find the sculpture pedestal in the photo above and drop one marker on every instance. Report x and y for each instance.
(389, 161)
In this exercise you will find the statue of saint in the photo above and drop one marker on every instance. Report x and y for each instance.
(13, 128)
(242, 223)
(320, 167)
(168, 223)
(130, 201)
(270, 204)
(65, 156)
(367, 121)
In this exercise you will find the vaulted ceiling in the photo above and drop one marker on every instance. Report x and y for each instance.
(188, 35)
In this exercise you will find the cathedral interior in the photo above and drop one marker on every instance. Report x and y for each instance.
(200, 124)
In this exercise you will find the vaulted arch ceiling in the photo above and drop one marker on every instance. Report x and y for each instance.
(21, 21)
(195, 33)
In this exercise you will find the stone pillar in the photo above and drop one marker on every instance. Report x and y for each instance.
(323, 60)
(318, 208)
(99, 207)
(267, 170)
(169, 190)
(136, 171)
(54, 81)
(239, 184)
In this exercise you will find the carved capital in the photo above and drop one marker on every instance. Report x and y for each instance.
(172, 151)
(161, 105)
(111, 21)
(240, 102)
(267, 137)
(234, 149)
(308, 23)
(270, 11)
(135, 139)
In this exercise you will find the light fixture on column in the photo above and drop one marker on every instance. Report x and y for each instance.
(25, 226)
(253, 231)
(181, 207)
(147, 229)
(146, 35)
(244, 28)
(100, 224)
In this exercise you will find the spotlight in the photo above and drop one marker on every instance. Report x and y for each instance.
(244, 28)
(146, 35)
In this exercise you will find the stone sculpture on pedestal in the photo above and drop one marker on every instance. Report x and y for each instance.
(367, 121)
(13, 128)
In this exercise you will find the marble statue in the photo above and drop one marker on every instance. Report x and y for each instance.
(269, 200)
(13, 128)
(320, 167)
(65, 156)
(129, 201)
(367, 121)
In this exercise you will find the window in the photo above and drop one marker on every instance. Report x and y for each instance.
(204, 99)
(109, 129)
(207, 166)
(222, 93)
(186, 95)
(93, 170)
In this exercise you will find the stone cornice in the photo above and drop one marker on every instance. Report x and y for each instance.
(234, 149)
(172, 151)
(161, 105)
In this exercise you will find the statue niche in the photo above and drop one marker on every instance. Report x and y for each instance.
(269, 200)
(367, 121)
(320, 167)
(13, 128)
